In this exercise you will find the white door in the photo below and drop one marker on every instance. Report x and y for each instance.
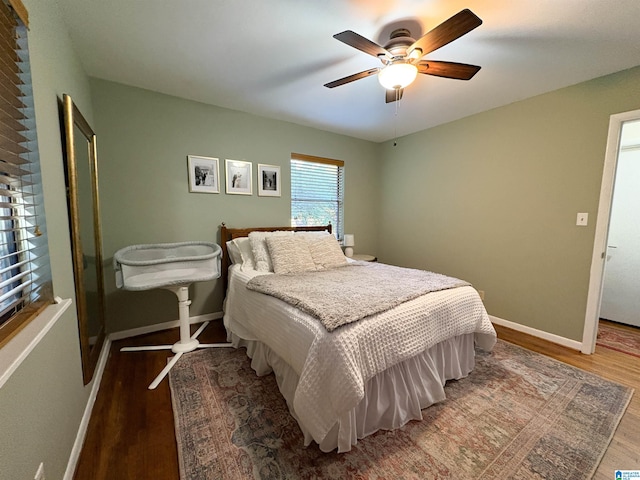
(621, 289)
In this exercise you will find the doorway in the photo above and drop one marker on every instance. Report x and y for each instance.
(619, 124)
(621, 282)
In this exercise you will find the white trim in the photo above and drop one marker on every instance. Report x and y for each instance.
(565, 342)
(86, 416)
(162, 326)
(26, 340)
(594, 296)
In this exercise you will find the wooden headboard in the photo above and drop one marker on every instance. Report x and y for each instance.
(227, 234)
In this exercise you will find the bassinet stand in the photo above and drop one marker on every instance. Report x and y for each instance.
(171, 266)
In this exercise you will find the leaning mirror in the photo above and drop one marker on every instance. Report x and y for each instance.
(86, 238)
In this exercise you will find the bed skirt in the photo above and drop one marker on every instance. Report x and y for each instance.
(392, 397)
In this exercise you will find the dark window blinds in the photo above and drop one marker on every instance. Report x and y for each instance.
(25, 274)
(317, 192)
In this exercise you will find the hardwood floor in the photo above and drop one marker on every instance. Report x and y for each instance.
(131, 431)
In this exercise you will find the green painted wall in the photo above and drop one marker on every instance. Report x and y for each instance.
(41, 405)
(143, 142)
(493, 198)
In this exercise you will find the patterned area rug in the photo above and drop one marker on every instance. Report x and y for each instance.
(517, 415)
(619, 339)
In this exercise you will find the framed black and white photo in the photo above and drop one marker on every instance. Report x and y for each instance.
(239, 180)
(268, 180)
(203, 174)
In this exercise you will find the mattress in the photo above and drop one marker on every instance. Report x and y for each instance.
(327, 377)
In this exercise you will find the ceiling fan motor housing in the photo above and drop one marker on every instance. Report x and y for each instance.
(400, 40)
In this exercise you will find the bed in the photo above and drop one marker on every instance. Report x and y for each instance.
(345, 381)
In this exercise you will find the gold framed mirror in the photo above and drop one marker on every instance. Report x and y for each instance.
(86, 236)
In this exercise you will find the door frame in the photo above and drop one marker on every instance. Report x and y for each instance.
(594, 296)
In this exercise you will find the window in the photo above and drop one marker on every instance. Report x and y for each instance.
(317, 192)
(25, 273)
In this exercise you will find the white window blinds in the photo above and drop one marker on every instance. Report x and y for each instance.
(317, 192)
(25, 275)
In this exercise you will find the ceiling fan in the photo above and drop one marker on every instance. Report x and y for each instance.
(401, 55)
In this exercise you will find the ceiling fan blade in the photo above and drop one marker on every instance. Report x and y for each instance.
(363, 44)
(459, 71)
(458, 25)
(392, 96)
(351, 78)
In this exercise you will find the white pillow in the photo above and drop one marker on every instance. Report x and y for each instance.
(326, 252)
(234, 252)
(240, 252)
(290, 254)
(260, 251)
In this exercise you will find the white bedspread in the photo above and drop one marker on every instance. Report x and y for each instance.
(334, 367)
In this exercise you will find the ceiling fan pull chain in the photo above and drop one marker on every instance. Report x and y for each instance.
(395, 123)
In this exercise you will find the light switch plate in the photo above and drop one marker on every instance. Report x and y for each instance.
(583, 219)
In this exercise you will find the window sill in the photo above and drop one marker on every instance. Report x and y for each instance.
(19, 347)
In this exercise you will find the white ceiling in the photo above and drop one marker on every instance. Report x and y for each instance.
(272, 57)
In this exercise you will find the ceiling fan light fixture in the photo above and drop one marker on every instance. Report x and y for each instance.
(397, 75)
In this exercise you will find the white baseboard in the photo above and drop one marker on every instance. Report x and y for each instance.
(84, 423)
(565, 342)
(162, 326)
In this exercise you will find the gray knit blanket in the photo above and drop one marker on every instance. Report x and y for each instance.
(342, 295)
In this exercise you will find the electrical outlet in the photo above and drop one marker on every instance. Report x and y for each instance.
(40, 473)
